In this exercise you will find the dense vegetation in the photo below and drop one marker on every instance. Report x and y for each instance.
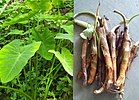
(36, 56)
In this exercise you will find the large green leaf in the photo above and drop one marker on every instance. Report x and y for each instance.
(69, 30)
(66, 58)
(48, 42)
(13, 57)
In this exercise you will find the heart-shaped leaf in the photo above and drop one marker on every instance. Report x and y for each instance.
(66, 58)
(13, 57)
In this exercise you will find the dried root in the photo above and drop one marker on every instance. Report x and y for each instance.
(93, 67)
(83, 56)
(110, 56)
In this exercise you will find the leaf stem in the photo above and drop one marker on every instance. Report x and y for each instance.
(88, 13)
(82, 23)
(30, 80)
(36, 71)
(133, 18)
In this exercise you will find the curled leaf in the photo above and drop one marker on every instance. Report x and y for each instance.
(87, 33)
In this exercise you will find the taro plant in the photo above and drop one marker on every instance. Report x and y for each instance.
(36, 42)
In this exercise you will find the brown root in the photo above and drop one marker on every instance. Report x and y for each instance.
(105, 49)
(93, 66)
(83, 56)
(133, 53)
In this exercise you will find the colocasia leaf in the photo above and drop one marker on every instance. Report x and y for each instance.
(13, 57)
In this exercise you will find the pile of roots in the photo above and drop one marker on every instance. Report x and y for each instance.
(106, 54)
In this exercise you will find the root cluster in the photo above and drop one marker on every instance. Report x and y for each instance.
(106, 55)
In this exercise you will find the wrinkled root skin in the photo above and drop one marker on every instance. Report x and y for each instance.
(112, 41)
(92, 75)
(83, 56)
(107, 56)
(93, 67)
(125, 58)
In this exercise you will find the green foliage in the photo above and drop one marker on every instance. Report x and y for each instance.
(41, 5)
(20, 18)
(28, 30)
(16, 31)
(35, 6)
(58, 3)
(14, 57)
(65, 85)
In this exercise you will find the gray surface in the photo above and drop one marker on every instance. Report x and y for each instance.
(129, 8)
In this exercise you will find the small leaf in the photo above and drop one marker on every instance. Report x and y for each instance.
(69, 36)
(16, 31)
(87, 33)
(48, 42)
(13, 57)
(83, 36)
(66, 58)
